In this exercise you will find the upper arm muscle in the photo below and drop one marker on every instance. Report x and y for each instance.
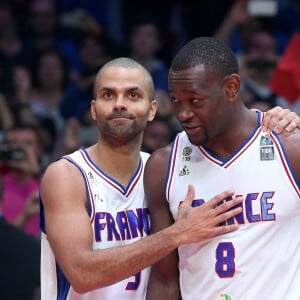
(66, 219)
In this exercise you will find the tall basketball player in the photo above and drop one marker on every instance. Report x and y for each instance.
(223, 147)
(94, 215)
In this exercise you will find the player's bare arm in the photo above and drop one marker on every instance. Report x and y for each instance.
(70, 234)
(164, 276)
(291, 142)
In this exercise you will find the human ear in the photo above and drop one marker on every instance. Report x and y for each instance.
(232, 87)
(93, 112)
(152, 110)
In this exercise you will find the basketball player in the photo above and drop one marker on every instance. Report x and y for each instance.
(224, 147)
(94, 215)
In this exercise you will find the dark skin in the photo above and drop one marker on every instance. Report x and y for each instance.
(210, 111)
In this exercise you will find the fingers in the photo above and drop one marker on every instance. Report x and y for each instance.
(280, 119)
(218, 199)
(224, 207)
(271, 118)
(210, 219)
(225, 212)
(288, 123)
(186, 206)
(225, 229)
(227, 205)
(224, 216)
(187, 202)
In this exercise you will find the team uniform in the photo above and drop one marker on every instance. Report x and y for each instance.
(118, 217)
(261, 260)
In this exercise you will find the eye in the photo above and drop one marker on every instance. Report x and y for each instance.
(107, 95)
(196, 101)
(133, 95)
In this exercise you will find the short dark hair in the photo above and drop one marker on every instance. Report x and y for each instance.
(35, 128)
(37, 62)
(215, 55)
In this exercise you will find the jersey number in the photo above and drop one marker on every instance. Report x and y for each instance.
(133, 285)
(225, 265)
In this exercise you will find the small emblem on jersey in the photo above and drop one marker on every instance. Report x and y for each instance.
(90, 175)
(184, 171)
(186, 152)
(227, 297)
(266, 148)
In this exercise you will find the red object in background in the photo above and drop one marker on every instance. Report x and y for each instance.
(286, 78)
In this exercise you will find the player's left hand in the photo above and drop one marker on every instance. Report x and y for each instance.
(279, 119)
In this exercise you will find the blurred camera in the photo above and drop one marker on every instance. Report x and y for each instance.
(11, 154)
(262, 8)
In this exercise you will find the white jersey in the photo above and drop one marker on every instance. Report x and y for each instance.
(261, 260)
(118, 217)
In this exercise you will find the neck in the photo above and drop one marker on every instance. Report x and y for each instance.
(237, 131)
(118, 162)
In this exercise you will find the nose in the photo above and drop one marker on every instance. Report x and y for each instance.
(120, 103)
(184, 114)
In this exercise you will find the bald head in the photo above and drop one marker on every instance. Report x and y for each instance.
(127, 63)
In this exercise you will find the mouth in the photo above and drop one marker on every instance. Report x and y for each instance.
(192, 130)
(120, 121)
(120, 116)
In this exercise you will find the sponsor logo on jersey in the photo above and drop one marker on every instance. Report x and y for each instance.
(266, 148)
(185, 171)
(186, 153)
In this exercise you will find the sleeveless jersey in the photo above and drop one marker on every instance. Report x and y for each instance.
(261, 260)
(118, 217)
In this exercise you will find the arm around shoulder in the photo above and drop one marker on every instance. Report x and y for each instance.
(291, 142)
(69, 233)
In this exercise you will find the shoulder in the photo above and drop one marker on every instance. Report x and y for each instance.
(291, 142)
(60, 166)
(159, 158)
(156, 168)
(58, 172)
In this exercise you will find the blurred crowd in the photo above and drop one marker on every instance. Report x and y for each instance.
(51, 50)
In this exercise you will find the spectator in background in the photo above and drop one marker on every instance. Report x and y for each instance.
(19, 260)
(43, 31)
(17, 91)
(257, 66)
(287, 23)
(94, 51)
(80, 131)
(144, 44)
(21, 179)
(202, 18)
(6, 117)
(237, 26)
(158, 133)
(11, 44)
(98, 11)
(50, 86)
